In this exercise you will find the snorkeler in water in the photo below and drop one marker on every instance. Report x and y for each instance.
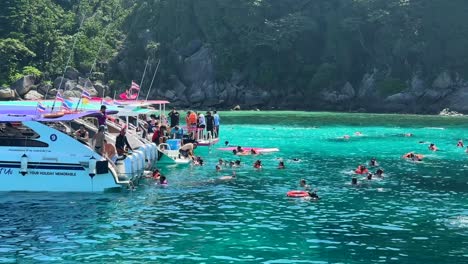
(379, 173)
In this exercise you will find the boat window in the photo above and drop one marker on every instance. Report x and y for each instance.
(17, 135)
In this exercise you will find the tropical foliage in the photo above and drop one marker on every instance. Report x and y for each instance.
(301, 44)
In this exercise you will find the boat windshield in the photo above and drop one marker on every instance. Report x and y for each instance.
(18, 135)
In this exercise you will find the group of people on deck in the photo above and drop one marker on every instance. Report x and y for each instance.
(195, 127)
(197, 123)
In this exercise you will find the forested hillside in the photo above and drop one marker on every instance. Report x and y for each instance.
(369, 55)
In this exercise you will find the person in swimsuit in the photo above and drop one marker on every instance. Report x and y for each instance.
(281, 165)
(98, 140)
(82, 133)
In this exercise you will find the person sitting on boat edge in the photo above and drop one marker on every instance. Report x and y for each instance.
(177, 132)
(187, 150)
(82, 133)
(121, 142)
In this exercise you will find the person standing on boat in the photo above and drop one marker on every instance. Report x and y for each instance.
(201, 125)
(98, 140)
(216, 123)
(103, 116)
(191, 121)
(175, 117)
(121, 141)
(209, 124)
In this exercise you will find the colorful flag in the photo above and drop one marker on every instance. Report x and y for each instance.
(117, 102)
(85, 101)
(67, 104)
(85, 94)
(104, 102)
(59, 97)
(40, 107)
(135, 86)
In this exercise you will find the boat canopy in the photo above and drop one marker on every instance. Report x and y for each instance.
(22, 117)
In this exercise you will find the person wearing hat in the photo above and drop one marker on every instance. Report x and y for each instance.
(175, 117)
(209, 119)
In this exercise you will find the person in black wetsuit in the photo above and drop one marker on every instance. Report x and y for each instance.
(175, 117)
(209, 119)
(121, 141)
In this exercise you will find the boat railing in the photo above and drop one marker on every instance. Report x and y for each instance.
(198, 133)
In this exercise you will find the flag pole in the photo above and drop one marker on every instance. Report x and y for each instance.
(66, 65)
(143, 77)
(154, 75)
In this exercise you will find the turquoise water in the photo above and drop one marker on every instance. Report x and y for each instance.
(417, 214)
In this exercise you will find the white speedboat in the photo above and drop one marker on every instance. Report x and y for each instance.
(37, 157)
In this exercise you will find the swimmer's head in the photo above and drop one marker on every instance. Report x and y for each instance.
(226, 143)
(302, 182)
(354, 181)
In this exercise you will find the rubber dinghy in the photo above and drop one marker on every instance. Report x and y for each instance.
(259, 150)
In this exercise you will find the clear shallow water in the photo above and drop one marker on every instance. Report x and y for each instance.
(417, 214)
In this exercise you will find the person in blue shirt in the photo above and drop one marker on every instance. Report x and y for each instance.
(177, 132)
(216, 122)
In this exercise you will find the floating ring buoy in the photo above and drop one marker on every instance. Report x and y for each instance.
(361, 171)
(297, 194)
(53, 115)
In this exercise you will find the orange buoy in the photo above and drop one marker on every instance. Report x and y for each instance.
(297, 194)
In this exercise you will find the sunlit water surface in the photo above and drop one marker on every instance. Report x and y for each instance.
(417, 214)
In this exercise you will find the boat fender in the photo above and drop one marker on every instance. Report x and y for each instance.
(24, 165)
(297, 194)
(92, 167)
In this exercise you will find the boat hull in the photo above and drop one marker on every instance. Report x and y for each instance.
(50, 180)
